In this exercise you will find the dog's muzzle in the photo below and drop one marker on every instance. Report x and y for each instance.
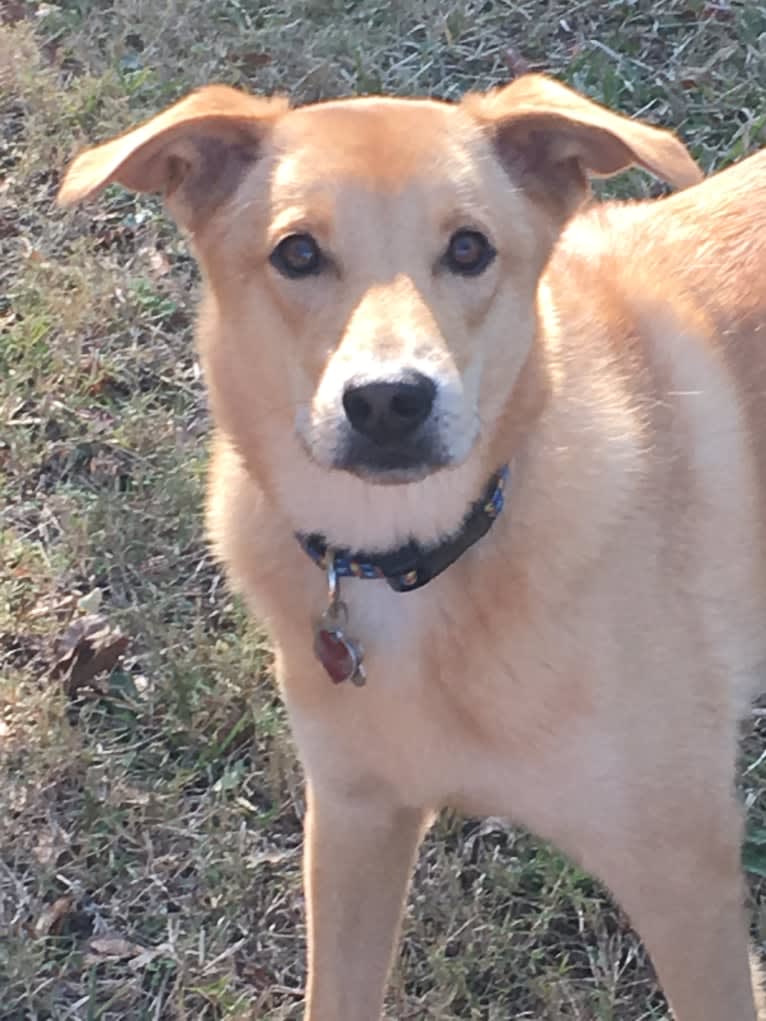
(391, 428)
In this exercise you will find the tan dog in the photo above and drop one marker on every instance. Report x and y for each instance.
(394, 311)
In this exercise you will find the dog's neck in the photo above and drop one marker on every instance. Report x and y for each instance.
(412, 565)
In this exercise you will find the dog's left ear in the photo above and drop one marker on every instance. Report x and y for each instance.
(550, 139)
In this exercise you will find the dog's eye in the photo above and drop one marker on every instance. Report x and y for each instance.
(297, 255)
(468, 253)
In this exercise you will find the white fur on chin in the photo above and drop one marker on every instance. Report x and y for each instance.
(362, 515)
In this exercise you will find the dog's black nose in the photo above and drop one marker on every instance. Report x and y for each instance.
(389, 411)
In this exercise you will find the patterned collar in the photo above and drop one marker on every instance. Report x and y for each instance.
(411, 566)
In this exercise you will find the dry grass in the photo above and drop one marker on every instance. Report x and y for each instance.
(150, 825)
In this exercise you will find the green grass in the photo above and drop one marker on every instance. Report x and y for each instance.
(150, 825)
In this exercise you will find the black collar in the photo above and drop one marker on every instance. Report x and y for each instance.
(411, 566)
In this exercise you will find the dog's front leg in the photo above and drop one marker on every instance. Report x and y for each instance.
(358, 857)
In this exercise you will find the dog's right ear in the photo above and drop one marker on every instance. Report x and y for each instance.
(194, 153)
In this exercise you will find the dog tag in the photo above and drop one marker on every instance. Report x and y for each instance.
(340, 656)
(337, 654)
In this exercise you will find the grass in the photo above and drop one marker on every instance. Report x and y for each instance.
(150, 818)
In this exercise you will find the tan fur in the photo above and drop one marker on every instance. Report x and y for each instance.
(583, 668)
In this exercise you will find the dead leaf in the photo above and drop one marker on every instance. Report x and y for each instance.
(255, 974)
(51, 920)
(9, 225)
(19, 649)
(90, 601)
(103, 384)
(150, 954)
(88, 647)
(51, 844)
(722, 11)
(52, 604)
(12, 11)
(159, 262)
(114, 946)
(252, 60)
(516, 64)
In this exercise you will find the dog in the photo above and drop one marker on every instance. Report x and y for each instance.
(490, 463)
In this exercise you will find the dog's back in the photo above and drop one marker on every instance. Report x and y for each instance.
(675, 321)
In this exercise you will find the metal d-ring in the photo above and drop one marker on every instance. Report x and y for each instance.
(336, 613)
(340, 655)
(333, 585)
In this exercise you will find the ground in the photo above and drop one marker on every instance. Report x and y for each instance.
(150, 800)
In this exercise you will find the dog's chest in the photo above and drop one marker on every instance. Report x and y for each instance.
(457, 706)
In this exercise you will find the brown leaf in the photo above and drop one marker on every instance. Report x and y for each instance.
(51, 919)
(19, 649)
(150, 954)
(103, 384)
(53, 604)
(159, 262)
(255, 974)
(114, 946)
(251, 60)
(12, 11)
(9, 225)
(516, 64)
(88, 647)
(51, 843)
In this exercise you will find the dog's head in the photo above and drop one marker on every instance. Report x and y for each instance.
(372, 264)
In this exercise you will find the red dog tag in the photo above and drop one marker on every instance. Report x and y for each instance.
(341, 658)
(337, 654)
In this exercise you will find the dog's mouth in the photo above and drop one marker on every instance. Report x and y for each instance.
(394, 463)
(383, 466)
